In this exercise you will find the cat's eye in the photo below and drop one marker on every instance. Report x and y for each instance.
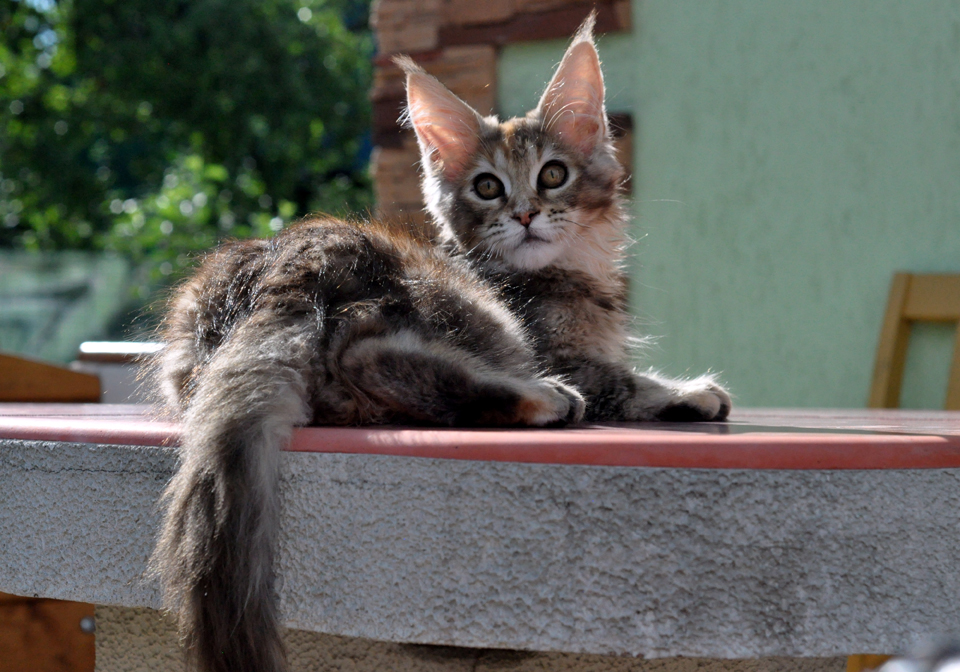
(488, 186)
(552, 175)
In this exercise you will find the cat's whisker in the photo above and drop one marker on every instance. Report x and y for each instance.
(484, 254)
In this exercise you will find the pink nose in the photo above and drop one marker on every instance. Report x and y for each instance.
(525, 217)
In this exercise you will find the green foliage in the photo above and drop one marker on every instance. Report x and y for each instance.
(156, 127)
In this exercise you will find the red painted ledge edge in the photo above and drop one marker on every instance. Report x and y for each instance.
(623, 446)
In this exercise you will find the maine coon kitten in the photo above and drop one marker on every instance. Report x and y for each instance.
(330, 322)
(333, 322)
(534, 203)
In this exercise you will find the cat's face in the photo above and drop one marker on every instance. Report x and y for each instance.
(526, 197)
(529, 192)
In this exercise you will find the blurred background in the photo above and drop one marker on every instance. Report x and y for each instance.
(136, 133)
(787, 158)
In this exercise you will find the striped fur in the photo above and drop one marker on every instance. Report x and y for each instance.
(330, 322)
(555, 252)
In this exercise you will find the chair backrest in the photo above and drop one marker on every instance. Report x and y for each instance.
(914, 298)
(28, 380)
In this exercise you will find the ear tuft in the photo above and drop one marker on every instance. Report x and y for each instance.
(448, 130)
(585, 31)
(572, 104)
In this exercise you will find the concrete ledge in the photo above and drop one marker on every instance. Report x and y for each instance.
(551, 558)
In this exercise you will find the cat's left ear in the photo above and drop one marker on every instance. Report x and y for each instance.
(572, 105)
(448, 130)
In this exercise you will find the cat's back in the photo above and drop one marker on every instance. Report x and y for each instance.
(345, 261)
(321, 260)
(348, 279)
(319, 264)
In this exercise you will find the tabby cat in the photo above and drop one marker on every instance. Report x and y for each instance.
(534, 204)
(343, 323)
(330, 322)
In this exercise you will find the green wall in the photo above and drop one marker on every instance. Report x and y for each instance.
(788, 157)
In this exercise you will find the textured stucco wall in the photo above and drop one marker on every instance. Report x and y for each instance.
(789, 157)
(601, 560)
(136, 639)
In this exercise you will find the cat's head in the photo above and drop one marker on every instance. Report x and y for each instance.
(528, 192)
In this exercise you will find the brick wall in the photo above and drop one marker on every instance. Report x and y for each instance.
(458, 41)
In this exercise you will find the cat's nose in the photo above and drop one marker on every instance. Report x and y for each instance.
(525, 217)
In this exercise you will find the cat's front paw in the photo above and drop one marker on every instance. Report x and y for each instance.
(698, 400)
(552, 402)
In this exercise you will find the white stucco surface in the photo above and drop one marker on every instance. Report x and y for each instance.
(581, 560)
(136, 639)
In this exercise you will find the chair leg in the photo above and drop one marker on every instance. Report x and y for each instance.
(43, 635)
(892, 347)
(953, 385)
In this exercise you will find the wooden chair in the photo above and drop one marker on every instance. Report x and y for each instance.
(43, 635)
(914, 298)
(27, 380)
(37, 634)
(865, 661)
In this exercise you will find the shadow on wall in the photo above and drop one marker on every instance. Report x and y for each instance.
(51, 302)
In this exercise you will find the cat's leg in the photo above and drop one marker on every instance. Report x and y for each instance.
(615, 392)
(701, 398)
(405, 376)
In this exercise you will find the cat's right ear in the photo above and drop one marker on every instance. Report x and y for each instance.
(448, 130)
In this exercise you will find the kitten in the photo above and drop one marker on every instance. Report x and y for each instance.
(341, 323)
(330, 322)
(534, 204)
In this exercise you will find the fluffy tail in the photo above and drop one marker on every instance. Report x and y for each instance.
(215, 554)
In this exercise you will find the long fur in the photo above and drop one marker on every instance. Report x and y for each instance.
(330, 322)
(345, 323)
(216, 552)
(555, 252)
